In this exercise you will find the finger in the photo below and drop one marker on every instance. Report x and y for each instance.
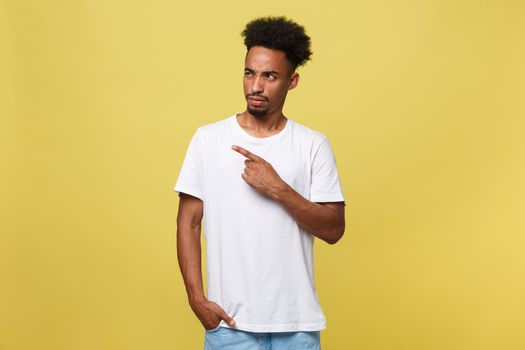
(245, 152)
(247, 162)
(223, 315)
(213, 324)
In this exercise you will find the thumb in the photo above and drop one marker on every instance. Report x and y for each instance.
(222, 314)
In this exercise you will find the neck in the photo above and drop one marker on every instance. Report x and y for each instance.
(267, 124)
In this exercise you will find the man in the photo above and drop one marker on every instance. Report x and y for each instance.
(266, 187)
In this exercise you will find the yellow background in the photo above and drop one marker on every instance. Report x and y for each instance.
(423, 102)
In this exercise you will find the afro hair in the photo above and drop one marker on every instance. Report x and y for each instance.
(281, 34)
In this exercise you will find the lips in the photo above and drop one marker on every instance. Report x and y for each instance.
(256, 101)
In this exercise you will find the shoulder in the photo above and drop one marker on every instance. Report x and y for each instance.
(315, 137)
(214, 128)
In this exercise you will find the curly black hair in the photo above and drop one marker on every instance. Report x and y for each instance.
(281, 34)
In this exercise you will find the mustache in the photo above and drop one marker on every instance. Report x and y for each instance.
(257, 95)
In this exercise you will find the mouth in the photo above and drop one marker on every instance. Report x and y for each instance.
(257, 97)
(256, 101)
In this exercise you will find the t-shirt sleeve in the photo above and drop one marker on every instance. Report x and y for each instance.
(325, 184)
(190, 180)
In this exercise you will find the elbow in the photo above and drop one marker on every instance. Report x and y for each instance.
(336, 235)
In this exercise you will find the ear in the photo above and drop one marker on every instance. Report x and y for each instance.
(294, 80)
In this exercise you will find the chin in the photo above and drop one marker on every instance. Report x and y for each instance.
(259, 113)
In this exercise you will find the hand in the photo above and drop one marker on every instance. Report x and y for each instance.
(210, 314)
(260, 174)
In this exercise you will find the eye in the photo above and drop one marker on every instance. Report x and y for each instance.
(270, 76)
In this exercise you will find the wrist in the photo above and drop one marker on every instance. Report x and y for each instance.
(281, 191)
(195, 299)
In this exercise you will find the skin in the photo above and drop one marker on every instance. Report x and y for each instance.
(268, 76)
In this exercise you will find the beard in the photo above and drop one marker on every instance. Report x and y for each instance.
(258, 113)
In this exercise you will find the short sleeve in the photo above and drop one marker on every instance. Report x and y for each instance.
(190, 180)
(325, 184)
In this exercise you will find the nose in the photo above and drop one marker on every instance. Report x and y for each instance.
(257, 85)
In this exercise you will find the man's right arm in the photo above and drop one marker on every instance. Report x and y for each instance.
(189, 220)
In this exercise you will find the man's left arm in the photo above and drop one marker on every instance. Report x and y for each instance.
(323, 220)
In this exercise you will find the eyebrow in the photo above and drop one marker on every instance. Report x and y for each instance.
(265, 72)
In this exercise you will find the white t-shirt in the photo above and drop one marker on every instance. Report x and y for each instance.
(259, 261)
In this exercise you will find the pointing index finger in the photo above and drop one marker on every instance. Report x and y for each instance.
(245, 152)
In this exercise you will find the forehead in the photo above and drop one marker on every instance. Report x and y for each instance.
(263, 58)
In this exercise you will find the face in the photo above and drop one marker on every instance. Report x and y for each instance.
(268, 76)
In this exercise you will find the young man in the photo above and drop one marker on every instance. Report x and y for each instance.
(266, 187)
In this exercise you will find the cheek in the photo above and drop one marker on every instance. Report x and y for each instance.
(280, 93)
(246, 89)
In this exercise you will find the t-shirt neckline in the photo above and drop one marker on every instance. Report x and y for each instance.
(247, 136)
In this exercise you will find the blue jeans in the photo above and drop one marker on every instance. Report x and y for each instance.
(223, 338)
